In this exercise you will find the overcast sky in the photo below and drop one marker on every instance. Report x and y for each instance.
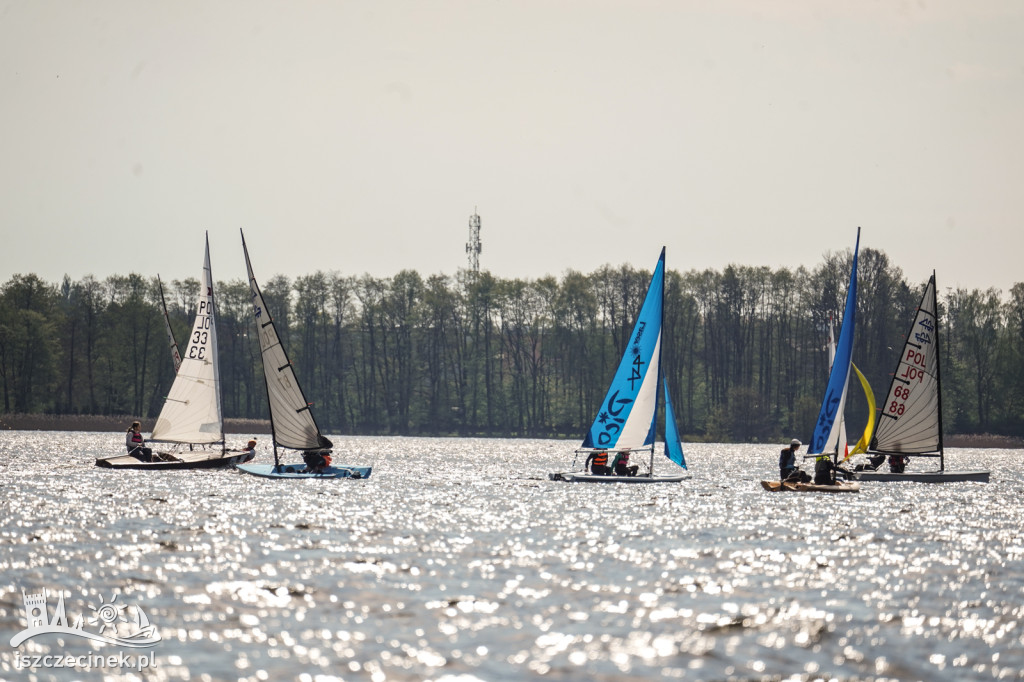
(360, 136)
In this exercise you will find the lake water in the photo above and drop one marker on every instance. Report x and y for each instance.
(459, 560)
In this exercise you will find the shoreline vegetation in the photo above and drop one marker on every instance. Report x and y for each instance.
(117, 424)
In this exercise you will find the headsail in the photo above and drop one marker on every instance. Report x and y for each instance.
(869, 428)
(673, 446)
(826, 430)
(626, 418)
(290, 415)
(175, 355)
(910, 421)
(192, 412)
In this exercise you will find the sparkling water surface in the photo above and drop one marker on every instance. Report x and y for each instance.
(459, 560)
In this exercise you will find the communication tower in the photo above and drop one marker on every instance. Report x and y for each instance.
(474, 246)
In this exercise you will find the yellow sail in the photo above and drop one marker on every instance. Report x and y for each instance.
(869, 429)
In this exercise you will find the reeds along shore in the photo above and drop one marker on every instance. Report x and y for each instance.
(95, 423)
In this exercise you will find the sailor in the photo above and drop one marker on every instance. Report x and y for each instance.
(620, 465)
(788, 470)
(136, 443)
(898, 463)
(249, 451)
(824, 470)
(316, 460)
(597, 462)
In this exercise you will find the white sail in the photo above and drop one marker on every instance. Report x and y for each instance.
(290, 415)
(840, 443)
(909, 422)
(192, 411)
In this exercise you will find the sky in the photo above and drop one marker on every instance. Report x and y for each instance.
(360, 136)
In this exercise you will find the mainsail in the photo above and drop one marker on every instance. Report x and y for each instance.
(626, 418)
(291, 418)
(192, 412)
(175, 355)
(827, 428)
(911, 414)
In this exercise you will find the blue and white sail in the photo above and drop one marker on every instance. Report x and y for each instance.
(627, 415)
(830, 418)
(673, 445)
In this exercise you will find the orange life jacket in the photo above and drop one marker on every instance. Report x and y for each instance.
(600, 459)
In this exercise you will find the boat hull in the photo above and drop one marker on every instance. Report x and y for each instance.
(299, 471)
(581, 477)
(839, 487)
(197, 459)
(923, 476)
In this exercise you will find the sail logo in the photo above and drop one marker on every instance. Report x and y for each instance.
(108, 619)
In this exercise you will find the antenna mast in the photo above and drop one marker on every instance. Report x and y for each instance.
(474, 246)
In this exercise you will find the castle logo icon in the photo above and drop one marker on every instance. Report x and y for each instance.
(112, 627)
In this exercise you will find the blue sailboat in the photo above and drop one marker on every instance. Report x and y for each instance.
(627, 419)
(828, 429)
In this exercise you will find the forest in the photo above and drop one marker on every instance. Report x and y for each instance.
(745, 348)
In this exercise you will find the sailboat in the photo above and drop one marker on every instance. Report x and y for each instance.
(627, 418)
(291, 418)
(829, 428)
(191, 414)
(911, 417)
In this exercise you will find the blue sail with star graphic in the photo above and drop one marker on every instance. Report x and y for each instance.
(626, 418)
(826, 428)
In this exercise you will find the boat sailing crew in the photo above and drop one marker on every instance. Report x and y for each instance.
(597, 463)
(135, 442)
(788, 470)
(620, 465)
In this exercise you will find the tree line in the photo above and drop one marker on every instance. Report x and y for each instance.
(744, 348)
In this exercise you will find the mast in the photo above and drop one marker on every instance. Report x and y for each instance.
(938, 374)
(661, 355)
(216, 353)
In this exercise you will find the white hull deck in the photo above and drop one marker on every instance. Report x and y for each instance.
(583, 477)
(171, 461)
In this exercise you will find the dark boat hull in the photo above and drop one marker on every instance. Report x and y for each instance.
(923, 476)
(196, 459)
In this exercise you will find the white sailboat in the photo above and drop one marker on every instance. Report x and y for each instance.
(191, 414)
(911, 418)
(291, 417)
(627, 419)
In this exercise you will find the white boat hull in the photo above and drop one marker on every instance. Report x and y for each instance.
(923, 476)
(583, 477)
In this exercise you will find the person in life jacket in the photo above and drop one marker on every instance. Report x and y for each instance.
(249, 451)
(316, 460)
(620, 465)
(136, 443)
(597, 462)
(824, 470)
(788, 470)
(898, 463)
